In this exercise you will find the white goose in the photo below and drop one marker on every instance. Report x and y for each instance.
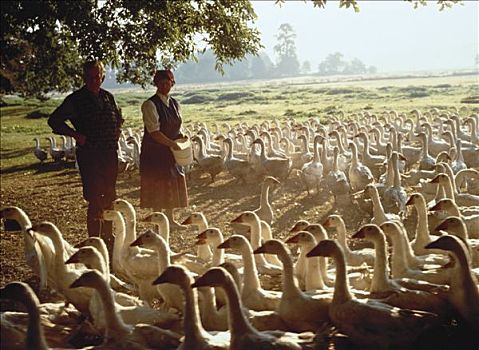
(117, 333)
(359, 174)
(464, 291)
(199, 220)
(264, 266)
(40, 153)
(243, 335)
(252, 295)
(301, 311)
(369, 323)
(195, 335)
(384, 287)
(64, 276)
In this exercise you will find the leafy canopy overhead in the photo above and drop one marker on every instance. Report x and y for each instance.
(44, 43)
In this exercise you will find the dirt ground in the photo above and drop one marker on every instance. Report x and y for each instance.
(52, 192)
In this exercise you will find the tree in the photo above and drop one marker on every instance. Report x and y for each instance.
(261, 66)
(332, 64)
(44, 42)
(287, 63)
(356, 66)
(306, 67)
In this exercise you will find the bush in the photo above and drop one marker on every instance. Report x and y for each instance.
(470, 99)
(197, 98)
(232, 96)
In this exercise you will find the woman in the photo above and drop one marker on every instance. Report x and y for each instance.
(163, 185)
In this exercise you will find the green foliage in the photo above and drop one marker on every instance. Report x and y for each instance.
(44, 42)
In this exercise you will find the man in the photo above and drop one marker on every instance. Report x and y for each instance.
(96, 120)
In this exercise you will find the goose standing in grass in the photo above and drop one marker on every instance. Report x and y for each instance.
(40, 153)
(370, 323)
(252, 295)
(300, 311)
(243, 334)
(56, 153)
(118, 334)
(464, 291)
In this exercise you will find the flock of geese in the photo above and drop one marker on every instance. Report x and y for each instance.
(249, 290)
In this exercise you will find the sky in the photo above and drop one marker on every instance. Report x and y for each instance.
(390, 35)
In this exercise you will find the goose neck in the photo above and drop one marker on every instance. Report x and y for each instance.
(422, 226)
(250, 272)
(341, 284)
(218, 254)
(35, 338)
(378, 209)
(114, 324)
(380, 277)
(290, 288)
(191, 319)
(238, 324)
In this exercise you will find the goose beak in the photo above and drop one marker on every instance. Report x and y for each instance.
(72, 260)
(224, 245)
(410, 201)
(200, 282)
(200, 242)
(316, 251)
(327, 223)
(436, 207)
(201, 235)
(293, 239)
(402, 157)
(146, 218)
(137, 242)
(434, 180)
(77, 283)
(260, 250)
(358, 234)
(161, 279)
(187, 221)
(442, 226)
(239, 219)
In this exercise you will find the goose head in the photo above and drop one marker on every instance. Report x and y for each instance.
(96, 242)
(299, 226)
(452, 244)
(214, 277)
(301, 237)
(19, 291)
(174, 274)
(233, 271)
(148, 238)
(123, 206)
(110, 215)
(332, 221)
(194, 219)
(271, 180)
(247, 217)
(439, 178)
(415, 198)
(234, 242)
(89, 279)
(443, 204)
(210, 233)
(317, 230)
(46, 228)
(390, 229)
(326, 248)
(368, 232)
(272, 246)
(156, 217)
(454, 225)
(84, 255)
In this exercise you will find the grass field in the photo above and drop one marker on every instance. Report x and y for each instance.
(301, 98)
